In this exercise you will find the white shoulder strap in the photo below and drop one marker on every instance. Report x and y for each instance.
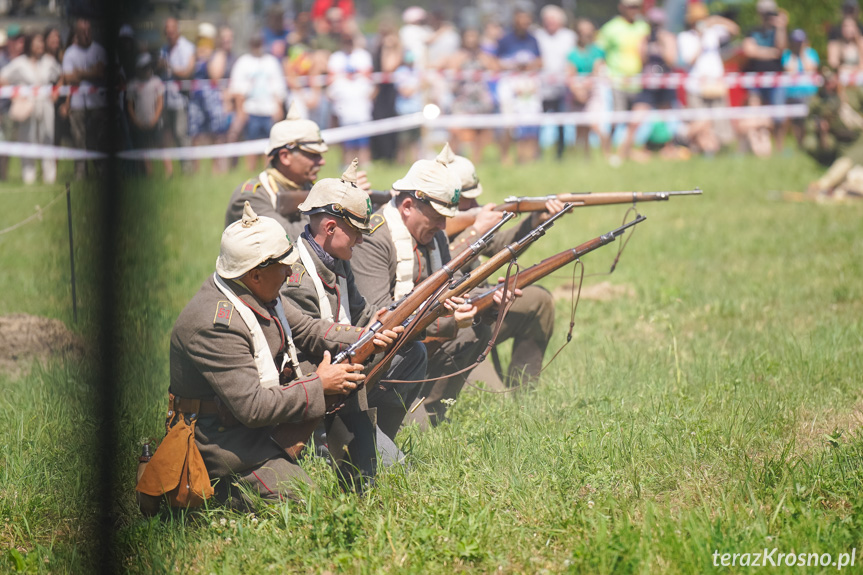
(265, 182)
(267, 372)
(323, 301)
(404, 251)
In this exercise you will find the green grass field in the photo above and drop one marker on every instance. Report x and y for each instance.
(717, 407)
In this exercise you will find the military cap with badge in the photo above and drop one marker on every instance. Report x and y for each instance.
(432, 182)
(340, 197)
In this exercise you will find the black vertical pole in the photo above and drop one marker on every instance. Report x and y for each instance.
(71, 254)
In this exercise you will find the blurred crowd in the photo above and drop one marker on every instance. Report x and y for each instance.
(538, 60)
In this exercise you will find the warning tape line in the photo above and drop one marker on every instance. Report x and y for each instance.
(32, 217)
(412, 121)
(668, 80)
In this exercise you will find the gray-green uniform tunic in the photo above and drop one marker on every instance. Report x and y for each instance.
(374, 265)
(213, 358)
(259, 199)
(410, 363)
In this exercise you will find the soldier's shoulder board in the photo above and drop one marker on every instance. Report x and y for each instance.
(376, 221)
(224, 312)
(250, 185)
(296, 277)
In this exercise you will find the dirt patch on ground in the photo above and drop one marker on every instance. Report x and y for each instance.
(24, 338)
(827, 427)
(603, 291)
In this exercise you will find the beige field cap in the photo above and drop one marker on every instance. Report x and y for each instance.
(295, 131)
(466, 172)
(252, 241)
(341, 198)
(431, 181)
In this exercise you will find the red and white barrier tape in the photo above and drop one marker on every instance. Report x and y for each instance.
(408, 122)
(650, 81)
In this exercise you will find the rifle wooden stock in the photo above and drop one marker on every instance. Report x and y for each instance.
(524, 278)
(520, 205)
(292, 437)
(288, 202)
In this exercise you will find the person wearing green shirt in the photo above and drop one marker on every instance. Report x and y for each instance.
(622, 39)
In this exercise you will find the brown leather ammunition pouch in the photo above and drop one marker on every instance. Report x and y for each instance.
(176, 471)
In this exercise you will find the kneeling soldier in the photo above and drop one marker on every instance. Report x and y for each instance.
(530, 320)
(407, 245)
(236, 350)
(323, 286)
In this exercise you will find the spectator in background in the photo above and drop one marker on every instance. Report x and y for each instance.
(409, 100)
(321, 9)
(556, 42)
(518, 41)
(763, 49)
(352, 93)
(471, 92)
(54, 47)
(622, 40)
(259, 86)
(837, 37)
(302, 68)
(145, 99)
(329, 31)
(220, 67)
(176, 63)
(845, 52)
(4, 106)
(386, 58)
(659, 54)
(519, 95)
(444, 40)
(414, 35)
(14, 48)
(699, 53)
(492, 32)
(209, 118)
(33, 113)
(275, 35)
(800, 58)
(84, 66)
(586, 61)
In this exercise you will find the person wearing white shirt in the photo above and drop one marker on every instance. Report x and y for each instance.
(699, 52)
(556, 41)
(84, 68)
(36, 124)
(352, 94)
(176, 63)
(258, 83)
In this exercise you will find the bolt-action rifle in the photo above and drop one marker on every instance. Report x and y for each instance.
(292, 437)
(523, 204)
(484, 300)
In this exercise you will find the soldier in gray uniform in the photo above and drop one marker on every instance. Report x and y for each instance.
(530, 320)
(295, 152)
(407, 245)
(237, 348)
(323, 286)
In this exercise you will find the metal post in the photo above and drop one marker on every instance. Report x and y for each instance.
(71, 254)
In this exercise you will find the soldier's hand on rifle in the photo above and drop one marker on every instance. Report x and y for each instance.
(341, 378)
(363, 181)
(552, 206)
(385, 338)
(486, 219)
(498, 294)
(462, 313)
